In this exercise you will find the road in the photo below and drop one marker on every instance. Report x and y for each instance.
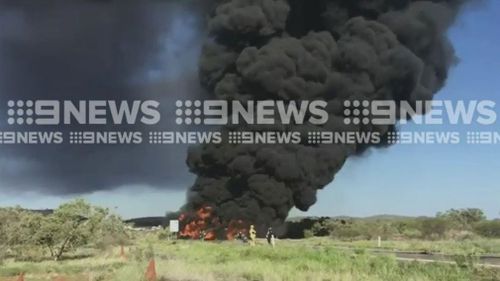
(491, 261)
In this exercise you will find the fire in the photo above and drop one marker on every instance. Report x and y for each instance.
(236, 227)
(203, 224)
(204, 213)
(198, 225)
(210, 236)
(182, 217)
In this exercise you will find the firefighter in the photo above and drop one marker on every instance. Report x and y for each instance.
(242, 237)
(271, 237)
(253, 235)
(203, 235)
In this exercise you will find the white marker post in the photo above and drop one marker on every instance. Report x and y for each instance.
(379, 242)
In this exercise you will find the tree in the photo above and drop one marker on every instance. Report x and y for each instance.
(463, 219)
(18, 230)
(70, 226)
(111, 232)
(323, 227)
(489, 229)
(8, 216)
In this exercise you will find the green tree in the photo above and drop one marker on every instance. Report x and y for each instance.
(489, 229)
(463, 219)
(8, 216)
(18, 230)
(111, 232)
(70, 226)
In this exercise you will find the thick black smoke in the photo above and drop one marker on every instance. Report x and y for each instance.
(332, 50)
(103, 50)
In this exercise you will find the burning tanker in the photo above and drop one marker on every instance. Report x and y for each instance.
(296, 50)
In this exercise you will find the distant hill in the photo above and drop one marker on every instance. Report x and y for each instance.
(388, 217)
(377, 217)
(147, 221)
(43, 212)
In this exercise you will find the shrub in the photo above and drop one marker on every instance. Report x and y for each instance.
(463, 219)
(467, 260)
(434, 228)
(490, 229)
(165, 234)
(308, 233)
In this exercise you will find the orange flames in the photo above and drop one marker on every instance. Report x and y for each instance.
(235, 227)
(198, 225)
(204, 225)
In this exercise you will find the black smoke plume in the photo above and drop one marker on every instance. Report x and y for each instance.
(96, 50)
(331, 50)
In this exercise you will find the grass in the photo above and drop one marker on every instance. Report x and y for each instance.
(304, 260)
(450, 247)
(96, 266)
(295, 262)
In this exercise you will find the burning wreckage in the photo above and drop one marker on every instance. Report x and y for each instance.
(204, 225)
(295, 50)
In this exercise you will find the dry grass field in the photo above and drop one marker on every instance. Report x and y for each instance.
(309, 259)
